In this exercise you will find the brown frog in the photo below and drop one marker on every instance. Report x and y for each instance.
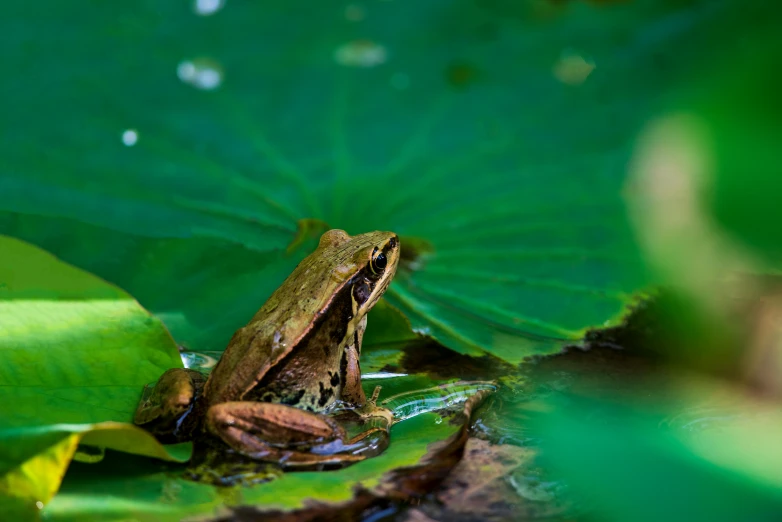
(295, 359)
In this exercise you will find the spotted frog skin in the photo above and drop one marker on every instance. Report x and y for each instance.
(296, 357)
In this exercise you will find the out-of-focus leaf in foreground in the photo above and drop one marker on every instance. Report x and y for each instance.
(743, 119)
(705, 196)
(701, 454)
(75, 353)
(176, 155)
(707, 178)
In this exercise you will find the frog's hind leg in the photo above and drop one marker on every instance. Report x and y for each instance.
(278, 433)
(166, 412)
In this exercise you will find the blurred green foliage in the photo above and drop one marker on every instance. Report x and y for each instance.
(696, 448)
(741, 107)
(665, 461)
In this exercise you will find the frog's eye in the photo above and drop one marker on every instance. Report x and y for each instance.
(379, 263)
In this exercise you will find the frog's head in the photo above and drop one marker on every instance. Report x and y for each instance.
(374, 257)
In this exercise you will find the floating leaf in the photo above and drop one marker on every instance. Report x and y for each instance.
(422, 453)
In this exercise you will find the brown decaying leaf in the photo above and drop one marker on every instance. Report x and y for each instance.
(478, 488)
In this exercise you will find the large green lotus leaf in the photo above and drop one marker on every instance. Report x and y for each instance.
(475, 132)
(701, 454)
(202, 289)
(76, 353)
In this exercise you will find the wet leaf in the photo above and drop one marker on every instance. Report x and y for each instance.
(422, 452)
(482, 487)
(76, 353)
(179, 154)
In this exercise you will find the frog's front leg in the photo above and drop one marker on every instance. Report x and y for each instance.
(277, 433)
(166, 412)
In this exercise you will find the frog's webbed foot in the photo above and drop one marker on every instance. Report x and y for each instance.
(165, 412)
(294, 438)
(379, 417)
(368, 425)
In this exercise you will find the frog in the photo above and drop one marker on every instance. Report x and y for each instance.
(269, 396)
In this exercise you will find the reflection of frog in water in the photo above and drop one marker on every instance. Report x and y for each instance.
(295, 358)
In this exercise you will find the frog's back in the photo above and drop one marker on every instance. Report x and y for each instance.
(313, 377)
(310, 311)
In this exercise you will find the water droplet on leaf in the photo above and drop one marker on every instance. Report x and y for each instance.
(200, 361)
(201, 73)
(207, 7)
(129, 137)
